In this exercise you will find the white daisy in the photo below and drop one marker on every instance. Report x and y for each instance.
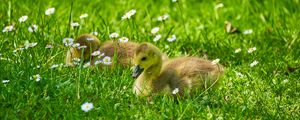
(54, 66)
(5, 81)
(250, 50)
(96, 53)
(83, 16)
(68, 41)
(129, 14)
(218, 6)
(32, 28)
(98, 62)
(238, 50)
(216, 61)
(247, 32)
(155, 30)
(50, 11)
(76, 61)
(8, 28)
(106, 60)
(49, 46)
(94, 33)
(23, 18)
(74, 24)
(171, 39)
(114, 35)
(87, 106)
(123, 39)
(157, 37)
(88, 64)
(29, 45)
(253, 63)
(36, 77)
(164, 17)
(76, 45)
(175, 91)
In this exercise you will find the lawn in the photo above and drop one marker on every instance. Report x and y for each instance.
(261, 57)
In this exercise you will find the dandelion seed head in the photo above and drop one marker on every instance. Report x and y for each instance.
(50, 11)
(23, 19)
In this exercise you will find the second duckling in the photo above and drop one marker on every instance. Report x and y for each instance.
(175, 76)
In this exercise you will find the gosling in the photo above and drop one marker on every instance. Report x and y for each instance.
(179, 76)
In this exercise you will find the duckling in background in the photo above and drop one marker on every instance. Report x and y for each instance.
(88, 44)
(183, 75)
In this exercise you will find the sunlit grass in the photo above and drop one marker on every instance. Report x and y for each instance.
(258, 84)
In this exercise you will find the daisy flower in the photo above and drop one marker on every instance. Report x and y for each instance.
(32, 28)
(54, 66)
(8, 28)
(23, 18)
(214, 62)
(87, 106)
(114, 35)
(82, 16)
(68, 41)
(49, 46)
(155, 30)
(175, 91)
(5, 81)
(29, 45)
(94, 33)
(106, 60)
(238, 50)
(76, 61)
(96, 53)
(172, 38)
(88, 64)
(157, 37)
(129, 14)
(50, 11)
(123, 39)
(36, 77)
(74, 24)
(98, 62)
(218, 6)
(76, 45)
(250, 50)
(163, 18)
(247, 32)
(253, 63)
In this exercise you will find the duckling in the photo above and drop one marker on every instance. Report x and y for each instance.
(177, 76)
(88, 44)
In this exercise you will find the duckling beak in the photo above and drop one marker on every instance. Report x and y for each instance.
(137, 70)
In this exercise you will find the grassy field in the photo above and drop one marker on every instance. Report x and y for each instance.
(263, 84)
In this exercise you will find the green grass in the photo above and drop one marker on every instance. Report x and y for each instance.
(259, 94)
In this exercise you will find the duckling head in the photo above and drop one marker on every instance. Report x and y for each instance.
(146, 56)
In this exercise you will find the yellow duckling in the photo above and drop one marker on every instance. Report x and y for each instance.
(90, 43)
(177, 76)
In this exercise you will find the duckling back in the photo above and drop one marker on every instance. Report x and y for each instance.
(191, 74)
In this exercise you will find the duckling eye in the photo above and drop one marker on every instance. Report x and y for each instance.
(143, 58)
